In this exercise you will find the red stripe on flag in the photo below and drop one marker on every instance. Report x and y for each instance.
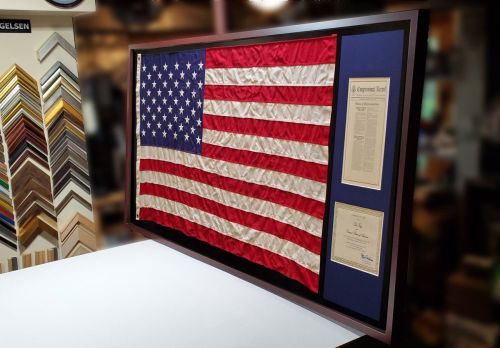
(306, 133)
(285, 53)
(287, 199)
(307, 170)
(254, 221)
(250, 252)
(308, 95)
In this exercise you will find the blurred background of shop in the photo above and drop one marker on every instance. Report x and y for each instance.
(454, 273)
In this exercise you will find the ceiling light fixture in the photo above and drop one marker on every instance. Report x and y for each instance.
(268, 5)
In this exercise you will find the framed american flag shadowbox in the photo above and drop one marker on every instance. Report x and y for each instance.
(285, 156)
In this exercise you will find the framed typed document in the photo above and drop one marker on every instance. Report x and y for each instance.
(366, 121)
(285, 156)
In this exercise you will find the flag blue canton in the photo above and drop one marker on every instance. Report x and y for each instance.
(171, 100)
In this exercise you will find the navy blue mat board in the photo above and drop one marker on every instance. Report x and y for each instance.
(365, 55)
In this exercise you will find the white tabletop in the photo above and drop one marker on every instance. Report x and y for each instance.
(148, 295)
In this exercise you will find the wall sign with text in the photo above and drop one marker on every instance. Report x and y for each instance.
(15, 26)
(287, 154)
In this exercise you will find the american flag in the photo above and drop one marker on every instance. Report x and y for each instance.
(232, 148)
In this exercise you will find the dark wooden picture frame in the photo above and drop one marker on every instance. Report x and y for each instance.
(415, 24)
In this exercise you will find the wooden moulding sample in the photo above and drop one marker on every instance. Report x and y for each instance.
(12, 264)
(27, 261)
(37, 225)
(68, 160)
(51, 43)
(78, 237)
(23, 131)
(40, 257)
(52, 255)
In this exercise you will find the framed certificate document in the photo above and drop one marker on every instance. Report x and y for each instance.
(367, 103)
(357, 237)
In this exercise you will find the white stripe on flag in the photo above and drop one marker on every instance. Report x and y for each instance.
(302, 75)
(290, 183)
(271, 146)
(248, 235)
(295, 113)
(271, 210)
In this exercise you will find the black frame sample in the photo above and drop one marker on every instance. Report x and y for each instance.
(414, 24)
